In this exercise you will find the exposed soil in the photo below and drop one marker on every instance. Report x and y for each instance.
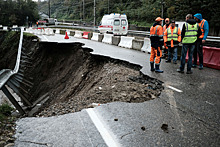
(74, 79)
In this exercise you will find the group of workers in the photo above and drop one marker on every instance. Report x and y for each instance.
(192, 37)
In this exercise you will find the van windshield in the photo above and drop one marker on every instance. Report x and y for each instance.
(123, 22)
(117, 22)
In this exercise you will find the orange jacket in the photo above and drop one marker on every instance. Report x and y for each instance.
(156, 35)
(178, 33)
(201, 25)
(156, 31)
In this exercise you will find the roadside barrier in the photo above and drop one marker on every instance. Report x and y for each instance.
(137, 44)
(147, 46)
(57, 31)
(47, 31)
(78, 34)
(107, 38)
(68, 32)
(39, 31)
(51, 32)
(126, 42)
(5, 28)
(30, 30)
(34, 31)
(43, 31)
(15, 26)
(86, 35)
(210, 57)
(95, 36)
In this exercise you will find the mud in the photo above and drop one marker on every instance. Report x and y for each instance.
(74, 79)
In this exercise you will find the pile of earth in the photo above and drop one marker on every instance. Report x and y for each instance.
(73, 78)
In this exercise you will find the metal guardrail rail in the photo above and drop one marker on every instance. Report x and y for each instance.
(15, 79)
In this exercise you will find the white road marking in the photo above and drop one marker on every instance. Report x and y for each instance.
(173, 88)
(102, 129)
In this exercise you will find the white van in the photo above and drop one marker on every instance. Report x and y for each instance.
(114, 23)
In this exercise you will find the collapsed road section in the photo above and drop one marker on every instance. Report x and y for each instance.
(70, 78)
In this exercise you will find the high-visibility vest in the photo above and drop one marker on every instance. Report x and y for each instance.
(153, 31)
(201, 25)
(174, 36)
(191, 33)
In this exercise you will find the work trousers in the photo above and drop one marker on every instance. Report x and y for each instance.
(198, 49)
(156, 54)
(185, 47)
(174, 51)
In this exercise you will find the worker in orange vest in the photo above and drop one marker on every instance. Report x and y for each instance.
(167, 24)
(156, 37)
(37, 23)
(204, 26)
(172, 38)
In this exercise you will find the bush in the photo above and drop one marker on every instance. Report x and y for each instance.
(5, 109)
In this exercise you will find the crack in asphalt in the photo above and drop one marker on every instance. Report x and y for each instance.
(126, 134)
(46, 144)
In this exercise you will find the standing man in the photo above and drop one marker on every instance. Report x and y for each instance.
(189, 35)
(167, 24)
(172, 38)
(156, 37)
(204, 26)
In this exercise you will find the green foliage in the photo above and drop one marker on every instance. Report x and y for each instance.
(16, 12)
(140, 12)
(5, 109)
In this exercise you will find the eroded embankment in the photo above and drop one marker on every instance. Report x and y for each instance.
(74, 79)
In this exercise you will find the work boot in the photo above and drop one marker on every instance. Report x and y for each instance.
(180, 71)
(194, 66)
(158, 68)
(189, 72)
(152, 66)
(168, 61)
(201, 67)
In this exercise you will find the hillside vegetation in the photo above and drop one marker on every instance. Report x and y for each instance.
(18, 12)
(139, 12)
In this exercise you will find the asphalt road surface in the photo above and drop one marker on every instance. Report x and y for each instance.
(186, 113)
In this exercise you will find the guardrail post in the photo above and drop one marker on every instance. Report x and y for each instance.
(12, 99)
